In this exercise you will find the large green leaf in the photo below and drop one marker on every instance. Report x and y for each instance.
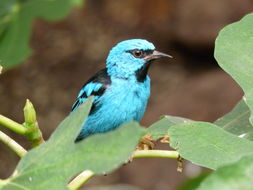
(233, 51)
(5, 7)
(236, 176)
(160, 128)
(51, 165)
(15, 25)
(6, 11)
(237, 121)
(14, 41)
(207, 145)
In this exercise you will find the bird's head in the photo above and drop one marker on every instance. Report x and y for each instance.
(131, 57)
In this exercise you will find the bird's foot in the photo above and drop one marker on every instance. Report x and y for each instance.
(146, 143)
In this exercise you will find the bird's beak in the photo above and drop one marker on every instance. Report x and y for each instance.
(156, 55)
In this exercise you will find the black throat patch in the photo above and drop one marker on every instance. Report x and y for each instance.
(141, 74)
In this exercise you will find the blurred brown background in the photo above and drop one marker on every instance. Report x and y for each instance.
(67, 53)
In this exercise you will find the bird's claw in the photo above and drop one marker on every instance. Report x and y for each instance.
(146, 143)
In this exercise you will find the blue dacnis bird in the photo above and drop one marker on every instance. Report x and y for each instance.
(121, 90)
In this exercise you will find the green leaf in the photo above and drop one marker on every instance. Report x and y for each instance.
(16, 19)
(237, 121)
(160, 128)
(233, 51)
(61, 158)
(13, 48)
(6, 10)
(77, 2)
(46, 9)
(236, 176)
(5, 7)
(207, 145)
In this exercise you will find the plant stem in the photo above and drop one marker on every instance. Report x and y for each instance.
(155, 154)
(3, 182)
(12, 125)
(83, 177)
(30, 128)
(20, 151)
(79, 180)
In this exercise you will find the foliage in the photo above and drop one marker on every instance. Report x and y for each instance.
(239, 116)
(16, 18)
(192, 140)
(225, 145)
(208, 145)
(233, 53)
(235, 176)
(160, 128)
(60, 150)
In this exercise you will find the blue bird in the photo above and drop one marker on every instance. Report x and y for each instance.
(121, 90)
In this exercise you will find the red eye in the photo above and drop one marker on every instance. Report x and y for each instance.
(137, 53)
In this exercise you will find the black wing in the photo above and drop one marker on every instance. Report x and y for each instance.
(95, 86)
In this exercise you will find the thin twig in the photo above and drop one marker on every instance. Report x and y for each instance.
(17, 148)
(79, 180)
(155, 154)
(12, 125)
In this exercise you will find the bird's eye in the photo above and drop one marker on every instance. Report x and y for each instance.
(137, 53)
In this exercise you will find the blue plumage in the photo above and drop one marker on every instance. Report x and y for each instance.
(121, 90)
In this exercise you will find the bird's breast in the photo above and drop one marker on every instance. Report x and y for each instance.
(122, 101)
(128, 97)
